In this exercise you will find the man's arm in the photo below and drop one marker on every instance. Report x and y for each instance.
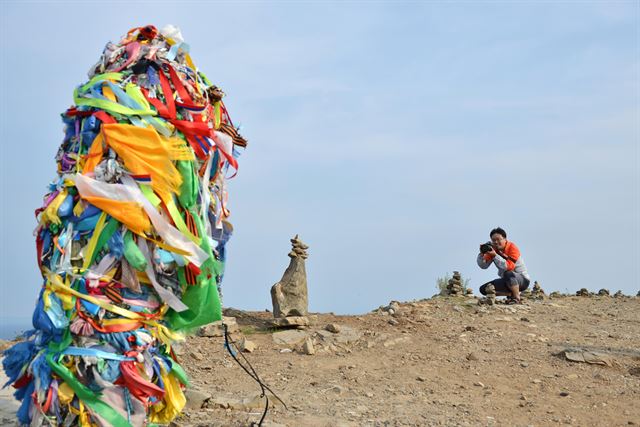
(484, 261)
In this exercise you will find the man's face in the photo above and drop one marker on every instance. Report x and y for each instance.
(498, 241)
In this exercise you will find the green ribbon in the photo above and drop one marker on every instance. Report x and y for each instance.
(91, 399)
(106, 234)
(179, 373)
(202, 298)
(132, 253)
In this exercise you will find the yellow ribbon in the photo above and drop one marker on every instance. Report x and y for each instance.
(158, 330)
(91, 247)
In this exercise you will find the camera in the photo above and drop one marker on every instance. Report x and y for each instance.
(485, 247)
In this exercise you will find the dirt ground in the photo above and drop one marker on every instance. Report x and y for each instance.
(432, 362)
(444, 361)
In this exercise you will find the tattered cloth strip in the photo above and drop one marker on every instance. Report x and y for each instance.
(130, 239)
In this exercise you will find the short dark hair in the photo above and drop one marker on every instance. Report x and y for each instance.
(498, 230)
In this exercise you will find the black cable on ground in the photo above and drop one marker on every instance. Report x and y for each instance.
(253, 374)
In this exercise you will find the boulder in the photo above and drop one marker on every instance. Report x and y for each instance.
(307, 347)
(195, 398)
(300, 322)
(332, 327)
(246, 346)
(289, 337)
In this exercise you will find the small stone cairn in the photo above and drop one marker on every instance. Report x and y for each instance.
(618, 294)
(584, 292)
(537, 292)
(290, 295)
(604, 292)
(490, 297)
(455, 286)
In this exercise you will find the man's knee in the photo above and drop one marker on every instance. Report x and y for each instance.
(511, 278)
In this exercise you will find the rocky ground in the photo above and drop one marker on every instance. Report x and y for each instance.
(444, 361)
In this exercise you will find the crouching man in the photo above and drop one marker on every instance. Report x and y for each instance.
(511, 269)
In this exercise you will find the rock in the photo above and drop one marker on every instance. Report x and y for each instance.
(472, 357)
(195, 398)
(347, 335)
(555, 294)
(395, 341)
(478, 384)
(299, 322)
(332, 327)
(234, 312)
(289, 337)
(564, 393)
(246, 346)
(392, 322)
(324, 335)
(421, 379)
(588, 357)
(604, 292)
(618, 294)
(215, 329)
(290, 295)
(337, 389)
(584, 292)
(524, 364)
(307, 347)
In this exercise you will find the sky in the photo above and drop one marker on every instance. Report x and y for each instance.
(391, 136)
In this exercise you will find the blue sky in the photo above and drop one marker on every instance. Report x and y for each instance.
(391, 136)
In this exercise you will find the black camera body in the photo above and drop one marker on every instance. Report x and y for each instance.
(485, 247)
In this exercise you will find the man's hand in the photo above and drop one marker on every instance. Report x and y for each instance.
(492, 252)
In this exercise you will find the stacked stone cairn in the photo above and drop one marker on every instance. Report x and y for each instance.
(290, 295)
(490, 298)
(584, 292)
(537, 292)
(618, 294)
(604, 292)
(455, 286)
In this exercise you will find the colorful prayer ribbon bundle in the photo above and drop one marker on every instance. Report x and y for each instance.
(130, 241)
